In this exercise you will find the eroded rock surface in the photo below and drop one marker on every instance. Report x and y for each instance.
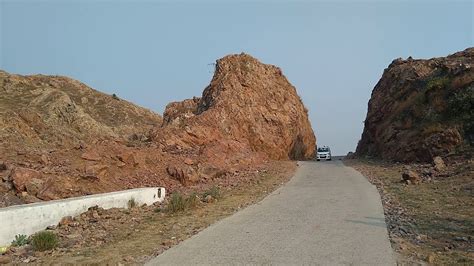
(247, 104)
(421, 109)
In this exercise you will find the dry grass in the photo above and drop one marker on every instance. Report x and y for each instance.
(44, 240)
(440, 213)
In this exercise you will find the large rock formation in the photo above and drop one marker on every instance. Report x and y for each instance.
(60, 138)
(248, 103)
(421, 109)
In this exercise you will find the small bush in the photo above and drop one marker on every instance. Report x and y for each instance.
(438, 83)
(20, 240)
(178, 203)
(115, 96)
(44, 240)
(214, 192)
(461, 108)
(131, 203)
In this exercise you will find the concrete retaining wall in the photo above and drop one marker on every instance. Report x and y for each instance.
(30, 218)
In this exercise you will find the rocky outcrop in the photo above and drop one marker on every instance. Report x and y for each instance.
(77, 141)
(248, 105)
(421, 109)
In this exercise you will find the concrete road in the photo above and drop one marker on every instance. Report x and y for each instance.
(328, 214)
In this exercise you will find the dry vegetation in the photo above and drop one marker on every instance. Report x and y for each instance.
(431, 222)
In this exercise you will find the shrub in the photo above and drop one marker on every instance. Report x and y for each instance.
(44, 240)
(461, 108)
(20, 240)
(438, 83)
(177, 203)
(214, 192)
(114, 96)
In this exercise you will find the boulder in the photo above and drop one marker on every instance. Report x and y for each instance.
(27, 198)
(208, 172)
(410, 176)
(48, 192)
(10, 199)
(65, 221)
(184, 174)
(439, 164)
(34, 186)
(22, 176)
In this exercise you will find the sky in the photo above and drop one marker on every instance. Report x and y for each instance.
(155, 52)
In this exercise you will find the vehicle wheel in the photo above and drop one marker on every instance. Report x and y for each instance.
(329, 159)
(317, 160)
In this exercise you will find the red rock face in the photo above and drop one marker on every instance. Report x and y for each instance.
(21, 177)
(248, 105)
(83, 142)
(421, 109)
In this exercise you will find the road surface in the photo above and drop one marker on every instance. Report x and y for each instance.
(328, 214)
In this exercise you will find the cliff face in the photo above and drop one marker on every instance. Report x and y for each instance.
(250, 103)
(420, 109)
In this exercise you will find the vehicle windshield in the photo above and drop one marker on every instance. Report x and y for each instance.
(323, 149)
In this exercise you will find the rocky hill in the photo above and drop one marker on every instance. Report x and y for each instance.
(421, 109)
(248, 102)
(60, 138)
(49, 111)
(46, 124)
(249, 113)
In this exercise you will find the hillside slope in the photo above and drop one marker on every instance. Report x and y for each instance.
(420, 109)
(45, 111)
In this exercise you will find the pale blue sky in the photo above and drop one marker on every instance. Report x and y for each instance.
(152, 52)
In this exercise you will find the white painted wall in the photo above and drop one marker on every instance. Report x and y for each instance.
(28, 219)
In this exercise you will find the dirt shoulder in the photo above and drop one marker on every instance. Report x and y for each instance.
(136, 234)
(431, 222)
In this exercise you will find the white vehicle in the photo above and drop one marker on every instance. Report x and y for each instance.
(324, 153)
